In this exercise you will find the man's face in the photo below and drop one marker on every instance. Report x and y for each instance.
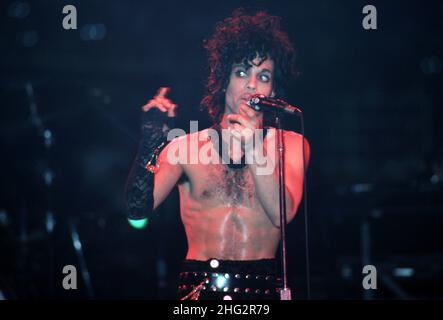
(246, 80)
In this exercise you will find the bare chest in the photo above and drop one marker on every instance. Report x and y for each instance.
(219, 183)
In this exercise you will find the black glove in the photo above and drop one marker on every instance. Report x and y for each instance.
(140, 183)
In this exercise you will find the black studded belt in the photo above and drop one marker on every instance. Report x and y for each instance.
(229, 280)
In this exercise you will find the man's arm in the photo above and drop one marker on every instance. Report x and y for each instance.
(168, 174)
(267, 185)
(142, 194)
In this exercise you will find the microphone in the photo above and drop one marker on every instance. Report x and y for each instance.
(260, 102)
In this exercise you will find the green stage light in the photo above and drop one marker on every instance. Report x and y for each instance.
(138, 224)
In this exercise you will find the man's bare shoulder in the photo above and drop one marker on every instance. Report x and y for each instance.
(184, 138)
(288, 135)
(182, 145)
(201, 135)
(292, 140)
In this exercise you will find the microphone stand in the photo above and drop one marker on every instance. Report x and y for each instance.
(285, 292)
(257, 102)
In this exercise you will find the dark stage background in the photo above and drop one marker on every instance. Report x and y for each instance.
(70, 103)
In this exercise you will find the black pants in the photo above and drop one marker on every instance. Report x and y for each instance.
(230, 280)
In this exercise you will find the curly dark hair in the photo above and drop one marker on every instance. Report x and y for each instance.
(241, 38)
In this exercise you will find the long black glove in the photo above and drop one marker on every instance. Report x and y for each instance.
(140, 183)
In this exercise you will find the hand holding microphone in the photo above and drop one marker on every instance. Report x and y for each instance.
(260, 102)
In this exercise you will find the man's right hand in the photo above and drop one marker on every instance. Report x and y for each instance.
(162, 103)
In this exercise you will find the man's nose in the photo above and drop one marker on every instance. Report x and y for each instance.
(252, 84)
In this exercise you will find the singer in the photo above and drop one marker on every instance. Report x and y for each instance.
(230, 213)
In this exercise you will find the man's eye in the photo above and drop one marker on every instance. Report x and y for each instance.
(240, 73)
(265, 78)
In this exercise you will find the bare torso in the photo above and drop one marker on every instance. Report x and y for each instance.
(222, 216)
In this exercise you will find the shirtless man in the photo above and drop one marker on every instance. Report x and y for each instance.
(229, 211)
